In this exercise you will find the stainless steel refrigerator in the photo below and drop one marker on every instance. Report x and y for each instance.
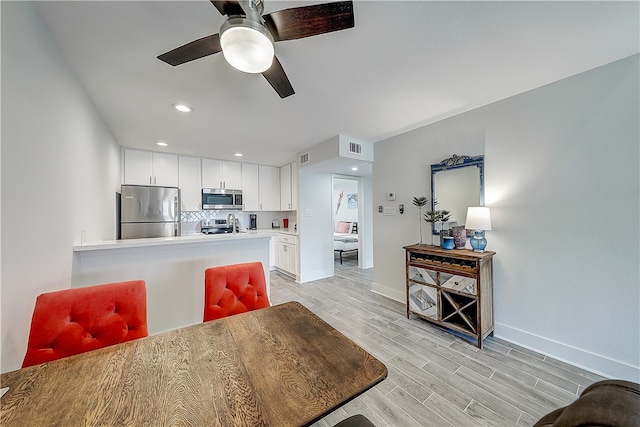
(149, 212)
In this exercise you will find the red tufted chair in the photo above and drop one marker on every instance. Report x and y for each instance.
(72, 321)
(234, 289)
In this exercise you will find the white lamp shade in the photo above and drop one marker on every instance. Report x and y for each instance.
(478, 218)
(247, 49)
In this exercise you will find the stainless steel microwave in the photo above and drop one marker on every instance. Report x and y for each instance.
(221, 198)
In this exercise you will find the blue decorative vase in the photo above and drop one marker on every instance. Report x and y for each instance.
(478, 242)
(448, 243)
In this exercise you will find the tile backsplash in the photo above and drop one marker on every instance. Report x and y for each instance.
(191, 219)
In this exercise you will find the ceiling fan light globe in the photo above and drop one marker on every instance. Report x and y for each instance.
(247, 49)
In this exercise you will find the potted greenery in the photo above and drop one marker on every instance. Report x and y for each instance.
(435, 216)
(420, 202)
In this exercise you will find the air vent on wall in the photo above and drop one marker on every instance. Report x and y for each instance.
(304, 158)
(355, 148)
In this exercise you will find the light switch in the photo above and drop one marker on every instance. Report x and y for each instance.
(389, 210)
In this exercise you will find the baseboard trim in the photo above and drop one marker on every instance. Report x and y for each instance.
(580, 358)
(314, 275)
(592, 362)
(394, 294)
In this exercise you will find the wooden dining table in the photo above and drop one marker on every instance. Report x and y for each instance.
(278, 366)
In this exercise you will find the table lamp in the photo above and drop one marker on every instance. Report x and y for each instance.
(479, 220)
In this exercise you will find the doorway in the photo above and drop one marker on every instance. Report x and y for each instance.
(346, 222)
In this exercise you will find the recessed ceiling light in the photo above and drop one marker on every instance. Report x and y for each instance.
(162, 144)
(354, 168)
(183, 108)
(238, 154)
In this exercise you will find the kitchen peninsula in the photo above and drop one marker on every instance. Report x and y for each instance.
(172, 267)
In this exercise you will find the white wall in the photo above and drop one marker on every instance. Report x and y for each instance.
(344, 213)
(562, 179)
(365, 223)
(315, 225)
(174, 274)
(60, 172)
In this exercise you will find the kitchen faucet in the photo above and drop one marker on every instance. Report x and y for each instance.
(231, 220)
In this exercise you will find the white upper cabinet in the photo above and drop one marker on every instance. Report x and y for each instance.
(285, 188)
(165, 169)
(269, 187)
(289, 187)
(250, 188)
(261, 185)
(190, 183)
(232, 174)
(150, 168)
(221, 174)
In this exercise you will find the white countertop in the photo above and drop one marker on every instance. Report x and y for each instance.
(181, 240)
(291, 231)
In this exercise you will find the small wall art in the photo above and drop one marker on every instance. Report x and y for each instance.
(339, 201)
(352, 201)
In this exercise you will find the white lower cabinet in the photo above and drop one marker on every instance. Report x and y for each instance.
(287, 253)
(273, 254)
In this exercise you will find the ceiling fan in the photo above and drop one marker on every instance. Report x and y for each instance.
(247, 37)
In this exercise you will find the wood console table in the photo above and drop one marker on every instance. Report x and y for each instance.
(451, 288)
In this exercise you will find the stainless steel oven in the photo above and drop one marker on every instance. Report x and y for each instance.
(221, 198)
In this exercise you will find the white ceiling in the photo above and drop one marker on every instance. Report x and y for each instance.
(404, 65)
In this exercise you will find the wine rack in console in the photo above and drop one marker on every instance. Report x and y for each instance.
(452, 288)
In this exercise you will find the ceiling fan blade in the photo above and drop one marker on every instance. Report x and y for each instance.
(228, 7)
(194, 50)
(278, 79)
(306, 21)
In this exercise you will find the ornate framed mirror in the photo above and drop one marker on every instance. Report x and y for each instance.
(456, 184)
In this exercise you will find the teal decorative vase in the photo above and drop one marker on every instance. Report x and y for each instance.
(447, 242)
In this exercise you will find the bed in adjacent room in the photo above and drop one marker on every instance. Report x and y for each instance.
(345, 238)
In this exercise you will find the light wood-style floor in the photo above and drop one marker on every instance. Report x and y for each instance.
(435, 378)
